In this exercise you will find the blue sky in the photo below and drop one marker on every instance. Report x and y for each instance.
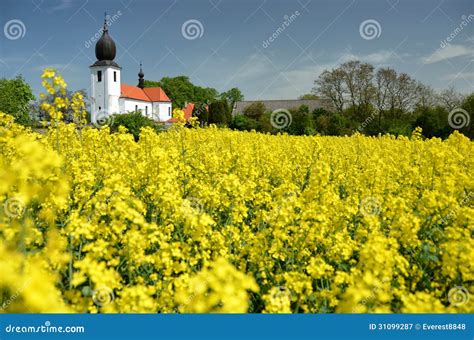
(229, 49)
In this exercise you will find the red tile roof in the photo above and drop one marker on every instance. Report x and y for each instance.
(188, 113)
(150, 94)
(156, 94)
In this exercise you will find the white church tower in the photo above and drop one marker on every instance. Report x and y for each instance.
(105, 78)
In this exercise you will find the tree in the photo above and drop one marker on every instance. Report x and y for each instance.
(358, 82)
(15, 97)
(467, 120)
(232, 96)
(255, 110)
(385, 80)
(219, 113)
(450, 99)
(405, 93)
(302, 122)
(181, 91)
(433, 121)
(425, 96)
(331, 86)
(244, 123)
(309, 96)
(201, 111)
(134, 122)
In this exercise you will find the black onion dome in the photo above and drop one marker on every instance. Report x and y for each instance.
(105, 48)
(141, 79)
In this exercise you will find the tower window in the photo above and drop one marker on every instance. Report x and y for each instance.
(115, 76)
(99, 76)
(136, 108)
(169, 112)
(146, 110)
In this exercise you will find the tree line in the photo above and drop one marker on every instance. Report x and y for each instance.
(354, 97)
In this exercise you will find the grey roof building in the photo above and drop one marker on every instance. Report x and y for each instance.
(273, 105)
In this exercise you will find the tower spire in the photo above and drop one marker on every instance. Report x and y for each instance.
(106, 24)
(141, 79)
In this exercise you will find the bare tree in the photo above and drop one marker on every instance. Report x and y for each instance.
(330, 85)
(349, 72)
(405, 93)
(450, 99)
(425, 95)
(365, 87)
(385, 83)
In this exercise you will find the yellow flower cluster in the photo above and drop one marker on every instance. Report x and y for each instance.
(212, 220)
(55, 86)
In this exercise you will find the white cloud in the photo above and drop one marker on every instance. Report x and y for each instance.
(62, 5)
(455, 76)
(448, 52)
(261, 78)
(377, 58)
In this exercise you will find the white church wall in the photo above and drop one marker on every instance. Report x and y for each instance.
(162, 111)
(105, 94)
(130, 105)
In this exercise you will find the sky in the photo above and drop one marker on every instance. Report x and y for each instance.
(270, 49)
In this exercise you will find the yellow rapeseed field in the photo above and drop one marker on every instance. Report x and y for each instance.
(213, 220)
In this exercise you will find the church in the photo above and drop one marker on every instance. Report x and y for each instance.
(108, 95)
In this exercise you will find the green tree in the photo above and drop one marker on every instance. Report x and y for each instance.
(201, 111)
(433, 121)
(302, 122)
(181, 91)
(309, 96)
(15, 97)
(219, 113)
(134, 122)
(468, 105)
(232, 96)
(255, 111)
(244, 123)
